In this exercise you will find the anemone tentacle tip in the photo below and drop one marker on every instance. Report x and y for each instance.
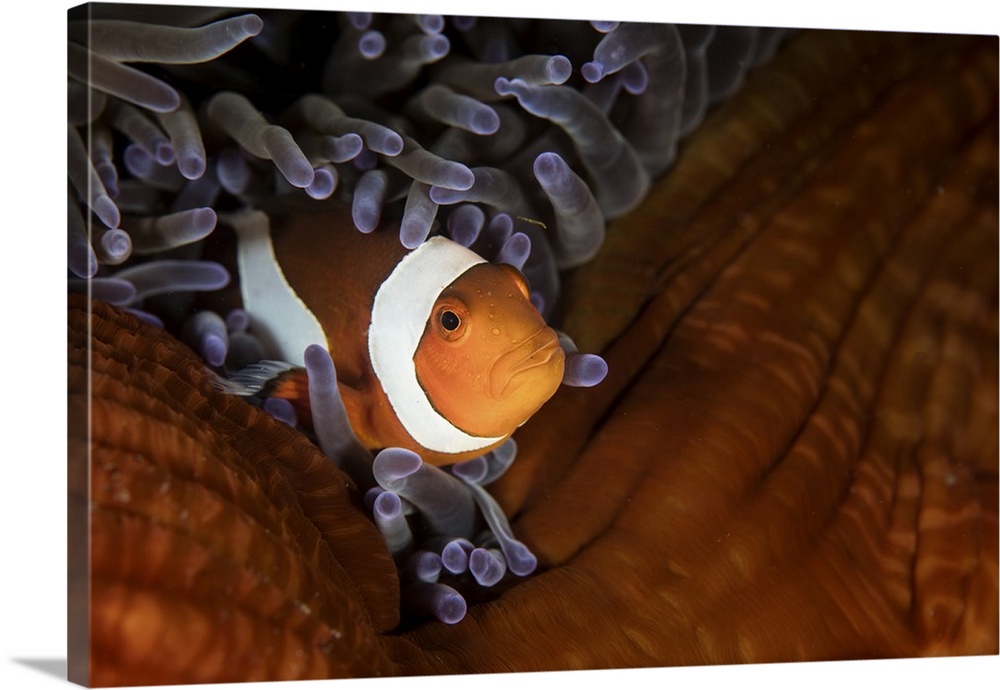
(452, 608)
(387, 505)
(547, 164)
(520, 560)
(371, 44)
(503, 86)
(192, 165)
(558, 69)
(252, 24)
(593, 72)
(396, 463)
(107, 210)
(214, 350)
(584, 370)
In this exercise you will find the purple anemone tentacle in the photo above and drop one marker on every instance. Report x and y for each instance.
(465, 223)
(520, 560)
(434, 599)
(581, 370)
(455, 555)
(444, 502)
(205, 331)
(584, 370)
(387, 511)
(515, 250)
(369, 197)
(509, 139)
(87, 182)
(167, 275)
(635, 78)
(326, 117)
(476, 79)
(237, 320)
(140, 129)
(493, 236)
(129, 41)
(613, 164)
(429, 23)
(538, 301)
(441, 104)
(418, 216)
(422, 165)
(540, 268)
(604, 26)
(472, 471)
(156, 234)
(498, 461)
(499, 229)
(371, 44)
(234, 172)
(281, 409)
(395, 68)
(463, 23)
(111, 290)
(579, 222)
(236, 115)
(423, 566)
(358, 20)
(491, 186)
(116, 79)
(487, 566)
(328, 148)
(114, 247)
(181, 126)
(146, 168)
(370, 495)
(102, 158)
(366, 160)
(325, 178)
(653, 126)
(330, 423)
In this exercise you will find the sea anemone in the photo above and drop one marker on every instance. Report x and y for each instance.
(520, 139)
(448, 120)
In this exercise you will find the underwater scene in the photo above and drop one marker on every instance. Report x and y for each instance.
(421, 344)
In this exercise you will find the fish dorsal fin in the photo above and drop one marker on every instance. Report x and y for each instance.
(277, 315)
(400, 312)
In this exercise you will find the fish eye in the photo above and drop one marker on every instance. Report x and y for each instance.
(450, 321)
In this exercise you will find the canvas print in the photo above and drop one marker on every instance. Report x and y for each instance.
(411, 344)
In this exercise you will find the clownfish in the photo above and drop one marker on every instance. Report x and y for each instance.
(436, 350)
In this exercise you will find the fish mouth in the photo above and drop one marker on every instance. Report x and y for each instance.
(525, 362)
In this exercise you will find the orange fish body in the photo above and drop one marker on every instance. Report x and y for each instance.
(436, 350)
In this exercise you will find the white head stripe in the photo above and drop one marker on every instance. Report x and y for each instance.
(402, 306)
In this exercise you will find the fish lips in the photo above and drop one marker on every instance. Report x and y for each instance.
(538, 357)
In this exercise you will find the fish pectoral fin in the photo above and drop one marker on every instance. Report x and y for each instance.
(254, 380)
